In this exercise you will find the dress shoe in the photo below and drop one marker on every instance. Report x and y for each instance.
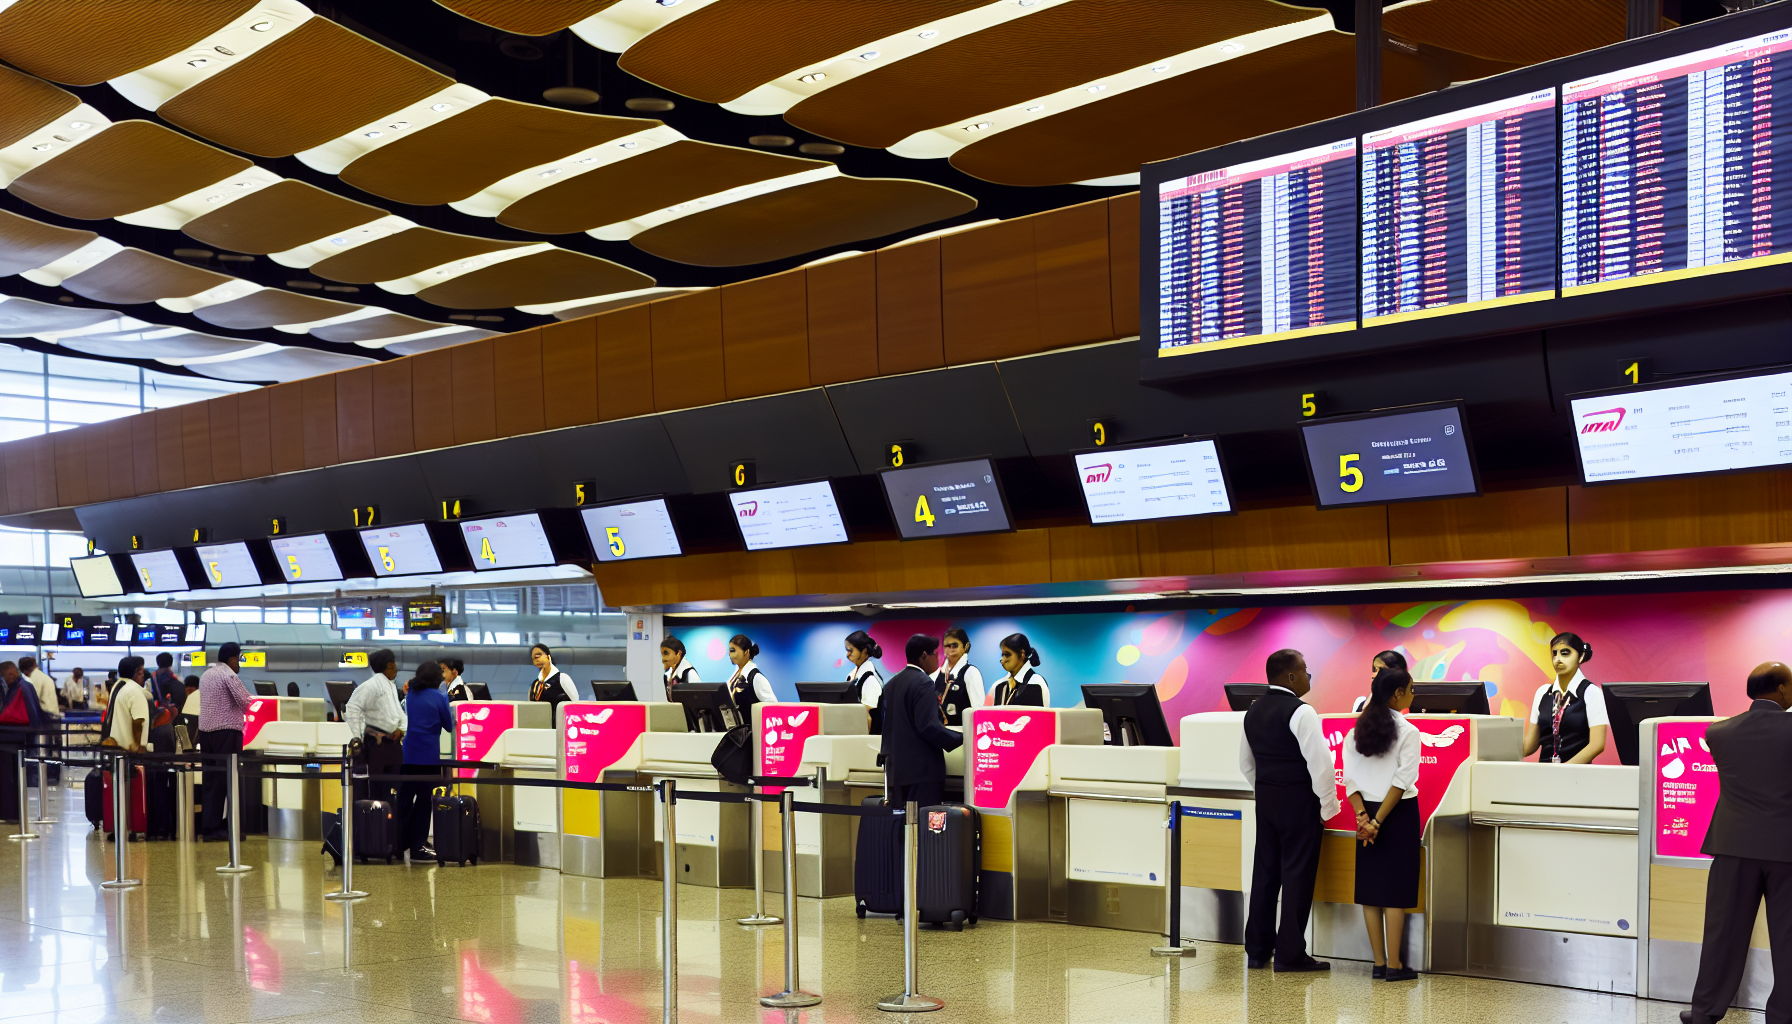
(1692, 1017)
(1309, 964)
(1402, 974)
(424, 852)
(1379, 972)
(1255, 963)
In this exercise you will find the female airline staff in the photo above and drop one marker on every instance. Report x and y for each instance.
(748, 686)
(864, 683)
(958, 683)
(677, 671)
(552, 686)
(1568, 721)
(1386, 659)
(1023, 685)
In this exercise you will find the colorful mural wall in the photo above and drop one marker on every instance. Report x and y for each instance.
(1715, 636)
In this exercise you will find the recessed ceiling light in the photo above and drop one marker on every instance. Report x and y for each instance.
(339, 240)
(262, 26)
(439, 107)
(667, 3)
(1230, 48)
(927, 33)
(198, 62)
(549, 173)
(629, 145)
(813, 76)
(80, 125)
(40, 147)
(374, 134)
(225, 50)
(1098, 88)
(1029, 3)
(1035, 108)
(399, 126)
(871, 54)
(979, 126)
(587, 159)
(1159, 68)
(213, 199)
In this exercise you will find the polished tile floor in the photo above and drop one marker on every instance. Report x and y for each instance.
(501, 944)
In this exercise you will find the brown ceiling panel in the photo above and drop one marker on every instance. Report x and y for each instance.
(132, 275)
(309, 86)
(1514, 31)
(797, 220)
(386, 325)
(127, 167)
(552, 276)
(27, 104)
(26, 244)
(642, 184)
(527, 17)
(271, 306)
(403, 254)
(129, 345)
(22, 318)
(1058, 48)
(89, 41)
(455, 158)
(702, 55)
(283, 216)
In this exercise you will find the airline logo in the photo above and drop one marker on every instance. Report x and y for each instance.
(1673, 769)
(1669, 749)
(1602, 422)
(799, 718)
(749, 510)
(604, 715)
(1015, 726)
(1443, 739)
(1100, 474)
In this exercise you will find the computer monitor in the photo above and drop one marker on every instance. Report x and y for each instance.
(339, 693)
(1449, 699)
(267, 688)
(1628, 704)
(602, 690)
(1131, 715)
(1240, 696)
(707, 707)
(824, 693)
(480, 691)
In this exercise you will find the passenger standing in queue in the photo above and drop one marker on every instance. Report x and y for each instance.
(74, 688)
(914, 740)
(1386, 659)
(553, 686)
(427, 716)
(1568, 722)
(747, 686)
(374, 715)
(676, 670)
(958, 683)
(1750, 845)
(223, 700)
(863, 682)
(1022, 685)
(1287, 763)
(453, 686)
(1381, 772)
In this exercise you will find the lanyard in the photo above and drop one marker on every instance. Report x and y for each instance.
(1562, 698)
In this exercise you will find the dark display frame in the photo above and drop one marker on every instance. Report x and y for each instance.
(661, 498)
(995, 474)
(756, 488)
(1218, 453)
(1580, 466)
(1468, 444)
(437, 538)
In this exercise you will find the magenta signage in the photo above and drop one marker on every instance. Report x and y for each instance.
(1443, 749)
(783, 729)
(1004, 745)
(262, 710)
(1686, 788)
(599, 735)
(477, 726)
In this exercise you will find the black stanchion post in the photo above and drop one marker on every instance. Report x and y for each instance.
(235, 867)
(668, 792)
(1173, 886)
(121, 823)
(793, 994)
(347, 821)
(909, 1000)
(759, 915)
(24, 810)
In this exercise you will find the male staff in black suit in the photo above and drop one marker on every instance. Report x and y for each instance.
(914, 740)
(1750, 845)
(1284, 757)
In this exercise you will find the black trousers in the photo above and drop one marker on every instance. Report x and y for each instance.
(217, 787)
(382, 757)
(1733, 895)
(414, 803)
(924, 794)
(1286, 864)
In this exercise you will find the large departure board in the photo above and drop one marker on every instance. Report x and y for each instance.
(1711, 426)
(1459, 210)
(1668, 168)
(1258, 252)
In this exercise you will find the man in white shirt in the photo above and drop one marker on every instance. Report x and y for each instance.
(43, 684)
(130, 709)
(374, 714)
(1284, 758)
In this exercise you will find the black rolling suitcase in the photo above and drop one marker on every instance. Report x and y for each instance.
(93, 794)
(376, 831)
(455, 821)
(332, 827)
(947, 869)
(877, 867)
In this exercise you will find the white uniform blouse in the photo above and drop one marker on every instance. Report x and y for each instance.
(762, 687)
(973, 682)
(1396, 766)
(1027, 675)
(873, 689)
(681, 673)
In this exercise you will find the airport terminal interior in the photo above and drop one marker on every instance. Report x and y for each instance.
(1010, 510)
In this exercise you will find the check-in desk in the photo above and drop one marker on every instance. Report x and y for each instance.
(1113, 801)
(605, 834)
(714, 840)
(480, 727)
(534, 834)
(1007, 760)
(784, 735)
(285, 727)
(1219, 827)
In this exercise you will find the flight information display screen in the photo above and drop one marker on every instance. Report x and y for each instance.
(1156, 482)
(1459, 210)
(96, 576)
(1393, 456)
(1706, 427)
(401, 550)
(1258, 252)
(796, 516)
(946, 499)
(306, 558)
(229, 565)
(507, 542)
(634, 529)
(1668, 168)
(158, 571)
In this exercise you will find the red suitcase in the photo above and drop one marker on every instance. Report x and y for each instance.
(137, 816)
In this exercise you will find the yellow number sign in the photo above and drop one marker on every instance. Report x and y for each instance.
(923, 514)
(1350, 478)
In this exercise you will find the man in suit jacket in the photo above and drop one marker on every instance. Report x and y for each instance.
(1750, 845)
(915, 741)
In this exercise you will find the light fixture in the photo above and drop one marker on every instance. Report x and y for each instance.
(549, 173)
(813, 77)
(587, 159)
(40, 147)
(262, 26)
(339, 240)
(213, 199)
(927, 33)
(198, 62)
(1098, 88)
(979, 126)
(439, 107)
(399, 126)
(225, 50)
(629, 145)
(1158, 69)
(374, 134)
(80, 125)
(871, 54)
(1035, 108)
(1028, 3)
(667, 3)
(1230, 48)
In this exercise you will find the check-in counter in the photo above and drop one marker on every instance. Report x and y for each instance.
(287, 727)
(1007, 760)
(606, 834)
(1219, 826)
(479, 728)
(1113, 801)
(782, 736)
(534, 810)
(714, 840)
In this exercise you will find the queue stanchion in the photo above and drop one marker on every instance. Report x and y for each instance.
(909, 1000)
(347, 822)
(44, 815)
(233, 787)
(759, 916)
(793, 994)
(24, 810)
(121, 823)
(1173, 886)
(668, 793)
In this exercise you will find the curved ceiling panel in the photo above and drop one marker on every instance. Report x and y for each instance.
(792, 221)
(130, 345)
(27, 244)
(590, 309)
(403, 254)
(112, 37)
(654, 180)
(527, 17)
(282, 216)
(29, 103)
(271, 306)
(285, 365)
(1058, 48)
(316, 82)
(455, 158)
(552, 276)
(411, 348)
(132, 275)
(1516, 31)
(129, 166)
(386, 325)
(23, 318)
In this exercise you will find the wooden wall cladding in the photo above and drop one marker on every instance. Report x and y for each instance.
(227, 449)
(517, 383)
(989, 304)
(1123, 268)
(626, 369)
(1649, 515)
(254, 433)
(170, 454)
(842, 318)
(1300, 537)
(474, 413)
(687, 351)
(569, 373)
(394, 432)
(909, 335)
(196, 444)
(765, 335)
(432, 391)
(354, 415)
(1509, 524)
(317, 396)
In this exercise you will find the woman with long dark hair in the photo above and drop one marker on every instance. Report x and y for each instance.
(1381, 771)
(1568, 723)
(1385, 659)
(958, 683)
(1023, 685)
(747, 686)
(864, 683)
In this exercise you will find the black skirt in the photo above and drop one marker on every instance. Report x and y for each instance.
(1387, 870)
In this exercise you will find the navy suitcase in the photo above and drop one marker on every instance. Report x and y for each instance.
(332, 825)
(877, 866)
(93, 793)
(455, 821)
(376, 831)
(946, 873)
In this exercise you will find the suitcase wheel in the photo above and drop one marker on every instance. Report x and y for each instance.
(860, 910)
(972, 920)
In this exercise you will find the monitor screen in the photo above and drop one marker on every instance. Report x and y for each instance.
(401, 550)
(360, 616)
(1392, 456)
(796, 516)
(507, 542)
(96, 576)
(1258, 251)
(158, 571)
(1459, 210)
(105, 634)
(633, 529)
(306, 558)
(1707, 427)
(946, 499)
(1159, 481)
(1668, 168)
(229, 565)
(426, 614)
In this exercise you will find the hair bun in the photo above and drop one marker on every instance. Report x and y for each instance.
(877, 650)
(1032, 657)
(754, 653)
(1586, 652)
